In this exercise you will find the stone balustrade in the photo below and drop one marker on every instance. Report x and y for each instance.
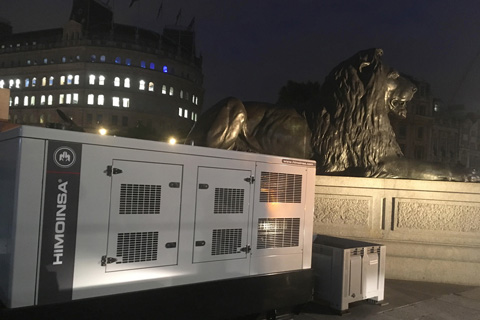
(431, 229)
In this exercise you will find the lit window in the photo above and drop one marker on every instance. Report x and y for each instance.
(141, 85)
(126, 83)
(171, 91)
(2, 84)
(128, 61)
(64, 59)
(90, 99)
(165, 69)
(17, 83)
(76, 79)
(192, 115)
(100, 99)
(101, 80)
(143, 64)
(93, 58)
(91, 79)
(102, 58)
(61, 98)
(62, 80)
(11, 83)
(152, 65)
(50, 81)
(185, 113)
(45, 60)
(181, 94)
(180, 112)
(42, 118)
(42, 100)
(164, 89)
(196, 100)
(68, 99)
(25, 101)
(29, 62)
(126, 102)
(118, 60)
(116, 101)
(116, 82)
(78, 58)
(75, 98)
(151, 86)
(27, 82)
(44, 81)
(50, 100)
(34, 82)
(32, 100)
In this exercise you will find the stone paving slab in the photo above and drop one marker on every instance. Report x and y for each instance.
(463, 305)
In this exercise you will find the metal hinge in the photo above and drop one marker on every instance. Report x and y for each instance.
(250, 179)
(110, 170)
(107, 260)
(246, 249)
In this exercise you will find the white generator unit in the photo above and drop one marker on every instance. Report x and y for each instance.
(131, 222)
(348, 270)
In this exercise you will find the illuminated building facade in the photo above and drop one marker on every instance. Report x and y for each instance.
(103, 74)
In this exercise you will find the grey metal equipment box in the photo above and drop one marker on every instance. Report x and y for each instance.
(85, 216)
(347, 270)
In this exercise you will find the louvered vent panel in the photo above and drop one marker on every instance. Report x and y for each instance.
(137, 246)
(226, 241)
(140, 199)
(228, 201)
(280, 187)
(278, 232)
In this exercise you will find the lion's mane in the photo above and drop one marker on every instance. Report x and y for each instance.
(352, 130)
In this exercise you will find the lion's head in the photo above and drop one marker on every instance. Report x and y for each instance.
(352, 129)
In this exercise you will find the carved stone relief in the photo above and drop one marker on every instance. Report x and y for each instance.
(330, 209)
(437, 215)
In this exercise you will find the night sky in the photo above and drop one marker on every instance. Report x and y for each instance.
(251, 48)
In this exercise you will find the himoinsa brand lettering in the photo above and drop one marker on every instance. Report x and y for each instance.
(60, 222)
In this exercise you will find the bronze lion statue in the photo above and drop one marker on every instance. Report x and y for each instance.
(348, 132)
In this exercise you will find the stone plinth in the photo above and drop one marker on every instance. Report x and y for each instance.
(4, 104)
(431, 229)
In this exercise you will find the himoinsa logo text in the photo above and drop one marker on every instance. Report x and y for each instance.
(60, 222)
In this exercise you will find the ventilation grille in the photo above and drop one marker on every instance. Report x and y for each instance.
(137, 247)
(140, 199)
(281, 187)
(226, 241)
(278, 232)
(228, 201)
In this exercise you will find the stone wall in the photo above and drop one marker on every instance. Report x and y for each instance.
(431, 229)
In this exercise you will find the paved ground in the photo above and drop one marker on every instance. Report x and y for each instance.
(408, 300)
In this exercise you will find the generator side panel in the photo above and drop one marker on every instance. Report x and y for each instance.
(150, 219)
(22, 184)
(281, 226)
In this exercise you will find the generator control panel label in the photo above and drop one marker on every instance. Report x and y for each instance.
(59, 225)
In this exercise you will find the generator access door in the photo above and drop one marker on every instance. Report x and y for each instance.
(221, 217)
(144, 215)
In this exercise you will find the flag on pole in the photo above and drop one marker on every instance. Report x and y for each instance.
(132, 2)
(178, 16)
(160, 10)
(191, 24)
